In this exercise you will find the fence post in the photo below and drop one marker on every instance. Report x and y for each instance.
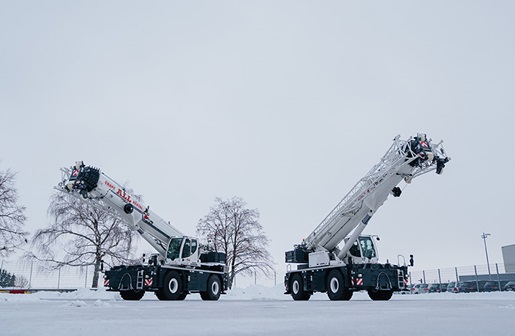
(439, 279)
(30, 277)
(498, 278)
(275, 278)
(457, 280)
(410, 283)
(59, 278)
(424, 276)
(477, 280)
(86, 279)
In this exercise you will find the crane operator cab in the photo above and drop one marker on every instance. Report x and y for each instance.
(183, 251)
(364, 250)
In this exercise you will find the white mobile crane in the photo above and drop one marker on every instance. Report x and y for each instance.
(179, 268)
(324, 266)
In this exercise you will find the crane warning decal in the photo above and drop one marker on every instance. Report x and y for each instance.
(357, 281)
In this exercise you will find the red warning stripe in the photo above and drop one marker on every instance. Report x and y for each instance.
(148, 282)
(357, 281)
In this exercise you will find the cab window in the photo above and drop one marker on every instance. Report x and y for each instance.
(174, 248)
(186, 250)
(367, 246)
(354, 249)
(193, 246)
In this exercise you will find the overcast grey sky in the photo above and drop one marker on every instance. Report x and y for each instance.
(286, 104)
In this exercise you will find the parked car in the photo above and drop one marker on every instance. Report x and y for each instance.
(493, 286)
(467, 287)
(419, 289)
(471, 286)
(434, 288)
(452, 287)
(510, 286)
(406, 290)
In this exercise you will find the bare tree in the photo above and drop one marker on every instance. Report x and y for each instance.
(81, 235)
(20, 281)
(235, 230)
(12, 215)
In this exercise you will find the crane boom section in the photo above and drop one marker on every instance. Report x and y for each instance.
(91, 185)
(404, 160)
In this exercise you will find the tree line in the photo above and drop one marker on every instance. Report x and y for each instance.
(80, 235)
(10, 280)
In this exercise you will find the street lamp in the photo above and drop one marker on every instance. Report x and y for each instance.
(484, 235)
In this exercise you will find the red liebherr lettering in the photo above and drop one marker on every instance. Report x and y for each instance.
(109, 185)
(124, 195)
(137, 204)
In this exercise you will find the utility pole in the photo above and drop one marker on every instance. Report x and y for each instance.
(484, 236)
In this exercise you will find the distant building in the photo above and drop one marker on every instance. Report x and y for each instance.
(508, 256)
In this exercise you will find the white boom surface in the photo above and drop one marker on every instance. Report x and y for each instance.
(91, 185)
(404, 160)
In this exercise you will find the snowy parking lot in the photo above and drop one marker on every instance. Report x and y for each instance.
(256, 311)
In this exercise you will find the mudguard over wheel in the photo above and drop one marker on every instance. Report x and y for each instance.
(297, 289)
(336, 287)
(172, 287)
(214, 289)
(380, 295)
(132, 295)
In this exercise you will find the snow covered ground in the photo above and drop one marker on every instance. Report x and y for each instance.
(256, 310)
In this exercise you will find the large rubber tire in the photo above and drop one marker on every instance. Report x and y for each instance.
(336, 287)
(380, 295)
(172, 287)
(159, 294)
(132, 295)
(214, 289)
(297, 289)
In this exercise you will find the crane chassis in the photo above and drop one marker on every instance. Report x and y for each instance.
(324, 266)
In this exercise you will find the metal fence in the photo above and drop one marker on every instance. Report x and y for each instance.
(74, 277)
(30, 275)
(33, 276)
(492, 272)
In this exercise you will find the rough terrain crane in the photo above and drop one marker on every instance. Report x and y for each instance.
(323, 266)
(179, 267)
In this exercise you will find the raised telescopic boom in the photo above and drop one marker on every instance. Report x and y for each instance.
(180, 268)
(325, 267)
(92, 185)
(404, 160)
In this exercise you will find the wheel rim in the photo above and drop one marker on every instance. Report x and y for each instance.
(215, 287)
(334, 285)
(296, 287)
(173, 286)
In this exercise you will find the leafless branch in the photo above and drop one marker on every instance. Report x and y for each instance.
(235, 230)
(80, 235)
(12, 215)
